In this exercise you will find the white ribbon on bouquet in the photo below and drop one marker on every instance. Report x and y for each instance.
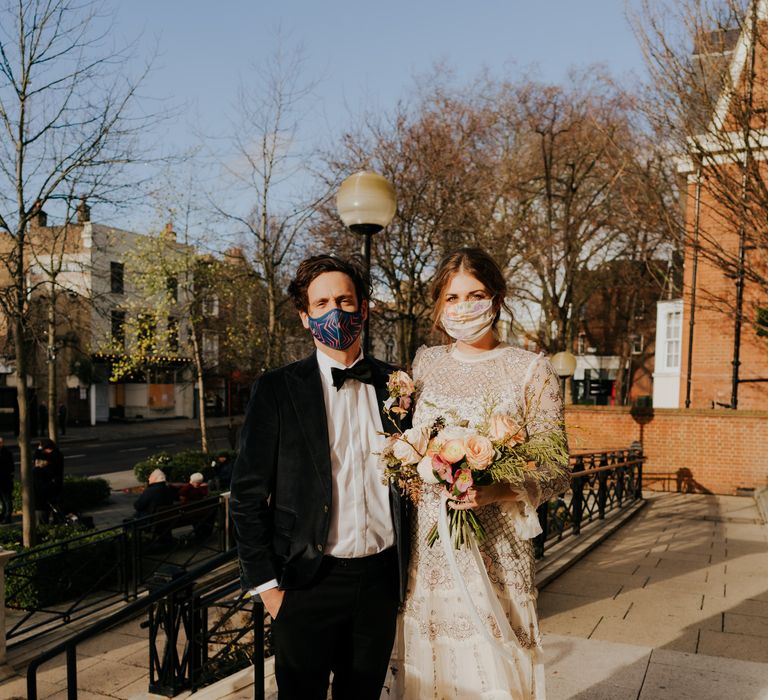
(508, 637)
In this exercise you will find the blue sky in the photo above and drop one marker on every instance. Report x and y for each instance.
(365, 54)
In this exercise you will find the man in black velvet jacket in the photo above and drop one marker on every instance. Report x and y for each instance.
(321, 537)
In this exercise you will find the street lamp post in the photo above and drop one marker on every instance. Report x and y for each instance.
(564, 364)
(366, 203)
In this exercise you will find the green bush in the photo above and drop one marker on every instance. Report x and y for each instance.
(11, 537)
(44, 575)
(81, 493)
(180, 466)
(78, 493)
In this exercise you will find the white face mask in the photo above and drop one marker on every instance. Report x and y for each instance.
(468, 321)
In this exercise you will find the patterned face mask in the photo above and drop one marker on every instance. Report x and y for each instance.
(468, 321)
(337, 329)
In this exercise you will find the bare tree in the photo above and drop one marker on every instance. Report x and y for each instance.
(562, 184)
(438, 157)
(267, 168)
(65, 114)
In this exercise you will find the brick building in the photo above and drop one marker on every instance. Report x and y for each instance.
(716, 225)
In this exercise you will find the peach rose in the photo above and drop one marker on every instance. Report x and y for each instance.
(434, 446)
(453, 451)
(411, 446)
(504, 429)
(479, 451)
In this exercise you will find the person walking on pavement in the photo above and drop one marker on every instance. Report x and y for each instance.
(7, 470)
(42, 483)
(61, 415)
(42, 419)
(52, 453)
(320, 536)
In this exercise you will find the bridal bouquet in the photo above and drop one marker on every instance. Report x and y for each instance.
(460, 457)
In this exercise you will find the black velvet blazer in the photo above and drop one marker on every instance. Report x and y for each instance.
(281, 485)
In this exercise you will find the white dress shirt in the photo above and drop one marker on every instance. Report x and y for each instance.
(361, 517)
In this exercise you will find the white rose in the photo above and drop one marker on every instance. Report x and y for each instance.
(425, 470)
(411, 446)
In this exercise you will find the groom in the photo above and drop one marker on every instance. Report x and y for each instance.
(320, 536)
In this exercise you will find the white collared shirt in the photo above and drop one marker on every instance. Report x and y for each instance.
(361, 518)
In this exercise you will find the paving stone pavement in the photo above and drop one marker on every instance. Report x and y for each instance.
(672, 606)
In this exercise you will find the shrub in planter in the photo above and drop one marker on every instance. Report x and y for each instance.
(45, 575)
(81, 493)
(143, 469)
(78, 493)
(180, 466)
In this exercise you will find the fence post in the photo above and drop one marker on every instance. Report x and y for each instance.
(5, 556)
(135, 561)
(621, 474)
(577, 502)
(602, 487)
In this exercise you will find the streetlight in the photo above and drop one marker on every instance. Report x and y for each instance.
(564, 363)
(366, 203)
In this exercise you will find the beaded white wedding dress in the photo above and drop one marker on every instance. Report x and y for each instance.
(440, 652)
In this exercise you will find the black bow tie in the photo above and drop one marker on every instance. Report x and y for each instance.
(362, 371)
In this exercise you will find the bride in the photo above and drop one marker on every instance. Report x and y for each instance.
(477, 637)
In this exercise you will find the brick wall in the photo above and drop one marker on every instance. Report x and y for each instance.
(713, 339)
(723, 450)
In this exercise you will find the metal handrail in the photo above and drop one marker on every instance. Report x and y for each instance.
(128, 565)
(69, 646)
(595, 470)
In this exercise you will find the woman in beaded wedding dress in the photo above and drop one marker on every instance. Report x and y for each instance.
(446, 650)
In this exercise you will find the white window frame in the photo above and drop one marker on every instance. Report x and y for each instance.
(672, 338)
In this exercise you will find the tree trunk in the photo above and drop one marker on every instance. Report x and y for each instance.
(27, 486)
(53, 432)
(199, 380)
(271, 359)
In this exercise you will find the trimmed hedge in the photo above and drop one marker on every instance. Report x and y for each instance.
(49, 575)
(83, 493)
(78, 493)
(180, 466)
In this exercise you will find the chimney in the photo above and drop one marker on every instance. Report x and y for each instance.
(41, 218)
(83, 211)
(168, 231)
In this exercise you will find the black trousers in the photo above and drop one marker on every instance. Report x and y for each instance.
(344, 623)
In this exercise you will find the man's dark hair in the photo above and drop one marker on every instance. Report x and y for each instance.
(313, 267)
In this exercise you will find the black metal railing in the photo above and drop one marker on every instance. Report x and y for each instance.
(201, 628)
(190, 645)
(600, 482)
(71, 579)
(202, 633)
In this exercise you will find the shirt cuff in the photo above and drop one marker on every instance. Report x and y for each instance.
(263, 587)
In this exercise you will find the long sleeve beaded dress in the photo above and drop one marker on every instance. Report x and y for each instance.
(440, 652)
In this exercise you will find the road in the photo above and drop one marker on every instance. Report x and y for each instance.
(106, 457)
